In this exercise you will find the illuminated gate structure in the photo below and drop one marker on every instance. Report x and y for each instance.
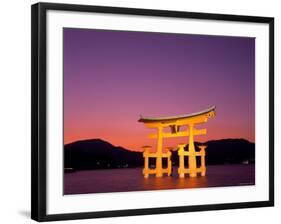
(174, 123)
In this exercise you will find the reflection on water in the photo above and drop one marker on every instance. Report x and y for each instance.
(193, 182)
(168, 182)
(131, 179)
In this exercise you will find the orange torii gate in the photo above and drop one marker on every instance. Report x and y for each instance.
(175, 122)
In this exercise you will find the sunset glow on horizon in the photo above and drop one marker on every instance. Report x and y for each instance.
(113, 77)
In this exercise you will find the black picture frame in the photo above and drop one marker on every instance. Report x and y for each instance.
(39, 122)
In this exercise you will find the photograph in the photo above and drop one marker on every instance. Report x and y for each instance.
(140, 111)
(150, 111)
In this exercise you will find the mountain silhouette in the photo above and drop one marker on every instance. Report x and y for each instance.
(230, 151)
(99, 154)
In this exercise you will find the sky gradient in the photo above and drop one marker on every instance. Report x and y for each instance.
(111, 77)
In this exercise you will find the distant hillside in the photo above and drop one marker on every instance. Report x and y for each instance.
(230, 151)
(99, 154)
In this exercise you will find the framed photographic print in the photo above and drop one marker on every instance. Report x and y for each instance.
(139, 111)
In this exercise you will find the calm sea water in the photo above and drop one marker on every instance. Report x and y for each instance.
(131, 179)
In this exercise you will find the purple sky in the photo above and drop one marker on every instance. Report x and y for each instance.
(111, 77)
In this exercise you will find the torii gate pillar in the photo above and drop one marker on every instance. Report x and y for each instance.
(192, 156)
(159, 168)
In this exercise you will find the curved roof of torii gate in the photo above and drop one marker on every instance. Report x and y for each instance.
(171, 118)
